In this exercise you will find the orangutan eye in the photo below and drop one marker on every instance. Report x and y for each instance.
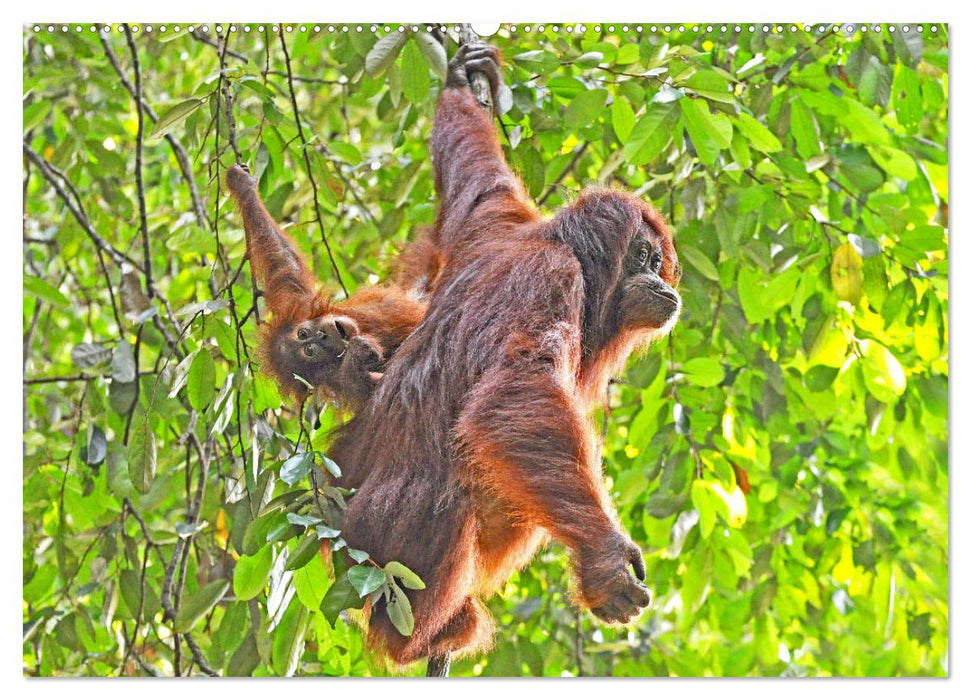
(310, 350)
(656, 262)
(302, 334)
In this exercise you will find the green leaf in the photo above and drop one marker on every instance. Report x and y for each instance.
(434, 52)
(251, 573)
(701, 499)
(591, 59)
(346, 151)
(584, 108)
(399, 610)
(627, 54)
(201, 381)
(142, 453)
(802, 124)
(409, 578)
(340, 596)
(532, 169)
(259, 531)
(288, 640)
(864, 125)
(255, 84)
(45, 291)
(883, 374)
(384, 52)
(357, 555)
(622, 118)
(310, 581)
(704, 371)
(711, 84)
(366, 579)
(175, 116)
(908, 45)
(87, 355)
(303, 553)
(225, 338)
(698, 261)
(565, 86)
(331, 466)
(697, 578)
(923, 239)
(297, 467)
(123, 369)
(709, 132)
(820, 377)
(759, 137)
(245, 659)
(232, 627)
(35, 113)
(538, 61)
(830, 346)
(874, 85)
(181, 374)
(860, 169)
(130, 585)
(303, 520)
(894, 162)
(651, 133)
(907, 99)
(414, 73)
(199, 604)
(664, 505)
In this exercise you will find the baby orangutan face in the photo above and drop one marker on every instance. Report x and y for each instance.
(315, 348)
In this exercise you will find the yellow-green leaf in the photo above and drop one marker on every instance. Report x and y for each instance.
(846, 273)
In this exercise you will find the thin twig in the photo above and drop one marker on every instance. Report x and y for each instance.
(68, 378)
(198, 36)
(111, 293)
(139, 147)
(227, 97)
(306, 160)
(303, 79)
(192, 515)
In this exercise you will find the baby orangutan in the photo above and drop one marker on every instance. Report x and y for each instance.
(338, 348)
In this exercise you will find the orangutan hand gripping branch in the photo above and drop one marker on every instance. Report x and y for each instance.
(476, 445)
(338, 348)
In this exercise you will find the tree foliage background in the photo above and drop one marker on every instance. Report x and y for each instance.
(781, 458)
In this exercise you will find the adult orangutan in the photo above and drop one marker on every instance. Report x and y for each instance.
(337, 348)
(476, 444)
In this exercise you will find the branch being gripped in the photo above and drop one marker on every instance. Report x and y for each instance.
(478, 82)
